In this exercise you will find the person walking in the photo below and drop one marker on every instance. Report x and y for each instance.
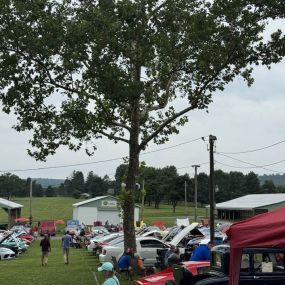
(107, 269)
(45, 245)
(66, 241)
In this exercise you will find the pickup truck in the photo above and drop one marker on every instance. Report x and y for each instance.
(259, 266)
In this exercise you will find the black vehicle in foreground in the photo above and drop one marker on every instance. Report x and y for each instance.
(259, 266)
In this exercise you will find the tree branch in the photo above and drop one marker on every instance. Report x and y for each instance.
(112, 136)
(164, 124)
(192, 107)
(165, 97)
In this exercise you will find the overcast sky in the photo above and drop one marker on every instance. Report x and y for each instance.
(241, 118)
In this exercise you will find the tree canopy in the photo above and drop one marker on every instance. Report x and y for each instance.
(75, 71)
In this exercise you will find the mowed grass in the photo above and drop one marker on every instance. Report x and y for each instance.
(26, 269)
(55, 208)
(165, 214)
(82, 270)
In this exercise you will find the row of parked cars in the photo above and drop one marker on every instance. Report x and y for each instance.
(14, 242)
(258, 265)
(150, 241)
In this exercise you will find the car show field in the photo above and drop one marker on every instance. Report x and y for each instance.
(26, 267)
(165, 251)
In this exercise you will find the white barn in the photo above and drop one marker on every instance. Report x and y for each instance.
(101, 209)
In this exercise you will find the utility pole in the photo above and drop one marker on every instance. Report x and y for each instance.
(185, 196)
(31, 195)
(195, 199)
(212, 139)
(143, 192)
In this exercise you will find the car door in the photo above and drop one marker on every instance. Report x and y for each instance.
(147, 248)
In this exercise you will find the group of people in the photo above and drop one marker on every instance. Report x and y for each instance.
(130, 261)
(172, 256)
(126, 263)
(45, 245)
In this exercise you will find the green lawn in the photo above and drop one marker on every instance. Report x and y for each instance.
(26, 269)
(61, 208)
(165, 213)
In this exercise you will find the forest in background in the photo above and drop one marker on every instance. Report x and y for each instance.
(156, 184)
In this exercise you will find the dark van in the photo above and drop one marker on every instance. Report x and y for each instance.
(47, 227)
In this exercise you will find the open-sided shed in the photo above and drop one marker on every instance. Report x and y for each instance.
(12, 209)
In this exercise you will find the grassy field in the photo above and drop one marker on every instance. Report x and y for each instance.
(26, 269)
(61, 208)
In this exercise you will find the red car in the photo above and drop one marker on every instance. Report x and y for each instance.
(161, 277)
(47, 227)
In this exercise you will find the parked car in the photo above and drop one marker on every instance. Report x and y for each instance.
(195, 267)
(8, 241)
(259, 266)
(72, 229)
(99, 230)
(47, 227)
(146, 248)
(101, 240)
(6, 253)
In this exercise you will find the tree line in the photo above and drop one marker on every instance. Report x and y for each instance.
(156, 184)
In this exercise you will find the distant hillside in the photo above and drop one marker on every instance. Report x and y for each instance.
(277, 179)
(45, 182)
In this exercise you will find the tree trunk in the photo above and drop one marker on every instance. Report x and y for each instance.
(133, 168)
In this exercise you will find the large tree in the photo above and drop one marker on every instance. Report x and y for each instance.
(76, 71)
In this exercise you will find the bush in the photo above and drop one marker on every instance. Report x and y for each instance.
(76, 194)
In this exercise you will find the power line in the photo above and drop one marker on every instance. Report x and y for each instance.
(253, 150)
(99, 161)
(166, 148)
(253, 165)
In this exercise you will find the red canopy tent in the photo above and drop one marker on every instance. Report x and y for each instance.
(59, 222)
(264, 230)
(21, 219)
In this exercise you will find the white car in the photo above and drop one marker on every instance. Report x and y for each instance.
(102, 239)
(6, 253)
(146, 248)
(99, 230)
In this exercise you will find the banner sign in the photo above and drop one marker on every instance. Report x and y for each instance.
(108, 203)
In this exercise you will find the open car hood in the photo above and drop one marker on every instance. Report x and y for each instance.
(177, 239)
(4, 238)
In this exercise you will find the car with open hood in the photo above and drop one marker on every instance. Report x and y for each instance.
(146, 248)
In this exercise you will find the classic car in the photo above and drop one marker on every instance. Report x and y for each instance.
(195, 267)
(259, 266)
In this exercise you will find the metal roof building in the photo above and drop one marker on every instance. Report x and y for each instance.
(249, 205)
(12, 209)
